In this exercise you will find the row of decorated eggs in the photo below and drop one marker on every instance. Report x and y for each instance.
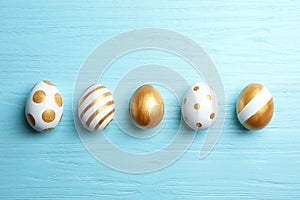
(200, 107)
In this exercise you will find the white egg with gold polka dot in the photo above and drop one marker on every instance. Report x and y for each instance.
(44, 106)
(96, 107)
(200, 106)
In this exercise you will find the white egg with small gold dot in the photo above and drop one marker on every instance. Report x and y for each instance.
(44, 106)
(96, 107)
(200, 106)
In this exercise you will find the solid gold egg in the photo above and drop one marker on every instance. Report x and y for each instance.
(255, 107)
(147, 107)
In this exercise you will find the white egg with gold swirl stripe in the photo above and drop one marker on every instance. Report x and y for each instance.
(255, 107)
(96, 107)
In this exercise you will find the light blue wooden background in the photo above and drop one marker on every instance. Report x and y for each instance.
(249, 41)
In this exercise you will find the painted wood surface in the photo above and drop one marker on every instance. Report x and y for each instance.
(249, 41)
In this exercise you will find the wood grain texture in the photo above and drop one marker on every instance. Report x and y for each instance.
(249, 41)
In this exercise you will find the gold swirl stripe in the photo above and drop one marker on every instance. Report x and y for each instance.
(103, 119)
(88, 94)
(108, 123)
(94, 102)
(97, 112)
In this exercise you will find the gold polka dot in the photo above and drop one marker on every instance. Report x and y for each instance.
(48, 129)
(212, 115)
(48, 83)
(31, 119)
(197, 106)
(208, 97)
(39, 96)
(196, 88)
(48, 115)
(58, 99)
(199, 125)
(184, 101)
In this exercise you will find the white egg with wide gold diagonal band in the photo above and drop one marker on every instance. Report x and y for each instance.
(255, 107)
(96, 107)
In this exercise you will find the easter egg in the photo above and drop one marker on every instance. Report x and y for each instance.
(200, 106)
(44, 106)
(96, 108)
(255, 107)
(147, 107)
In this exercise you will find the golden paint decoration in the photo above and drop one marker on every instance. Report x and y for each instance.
(255, 107)
(147, 107)
(96, 108)
(200, 106)
(44, 106)
(39, 96)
